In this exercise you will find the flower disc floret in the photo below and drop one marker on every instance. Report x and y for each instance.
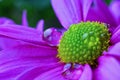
(83, 43)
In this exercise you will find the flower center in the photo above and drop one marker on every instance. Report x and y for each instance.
(83, 43)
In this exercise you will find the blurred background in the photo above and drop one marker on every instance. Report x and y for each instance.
(36, 10)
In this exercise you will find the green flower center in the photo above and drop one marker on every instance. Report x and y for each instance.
(83, 43)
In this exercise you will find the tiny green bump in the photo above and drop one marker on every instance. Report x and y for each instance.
(80, 58)
(90, 44)
(83, 43)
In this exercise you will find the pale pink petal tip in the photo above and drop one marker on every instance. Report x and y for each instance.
(4, 20)
(24, 18)
(40, 26)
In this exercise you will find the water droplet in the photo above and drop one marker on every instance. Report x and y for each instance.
(76, 66)
(47, 32)
(67, 67)
(85, 35)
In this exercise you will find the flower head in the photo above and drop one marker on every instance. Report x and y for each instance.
(83, 43)
(90, 37)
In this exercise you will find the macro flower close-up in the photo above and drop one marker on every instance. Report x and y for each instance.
(87, 47)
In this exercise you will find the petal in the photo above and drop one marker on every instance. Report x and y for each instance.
(28, 51)
(18, 32)
(68, 12)
(108, 69)
(40, 26)
(4, 20)
(87, 73)
(115, 9)
(56, 74)
(116, 29)
(7, 43)
(24, 18)
(26, 70)
(11, 70)
(115, 37)
(23, 60)
(114, 50)
(71, 11)
(52, 36)
(100, 12)
(86, 6)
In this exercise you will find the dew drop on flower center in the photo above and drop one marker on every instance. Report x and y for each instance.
(83, 43)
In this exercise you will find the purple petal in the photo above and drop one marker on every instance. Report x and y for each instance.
(27, 59)
(4, 20)
(87, 73)
(20, 33)
(116, 29)
(24, 18)
(37, 72)
(67, 12)
(115, 9)
(7, 43)
(108, 69)
(72, 11)
(11, 70)
(100, 12)
(26, 70)
(40, 26)
(52, 36)
(56, 74)
(28, 51)
(86, 5)
(115, 37)
(115, 49)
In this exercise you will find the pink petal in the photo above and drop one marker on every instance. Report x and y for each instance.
(18, 32)
(40, 26)
(115, 49)
(100, 12)
(116, 29)
(87, 73)
(115, 9)
(24, 18)
(30, 51)
(115, 37)
(4, 20)
(26, 59)
(108, 69)
(86, 5)
(104, 10)
(35, 72)
(7, 43)
(13, 69)
(67, 12)
(26, 70)
(53, 74)
(71, 11)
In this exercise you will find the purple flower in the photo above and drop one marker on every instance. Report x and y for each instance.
(36, 55)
